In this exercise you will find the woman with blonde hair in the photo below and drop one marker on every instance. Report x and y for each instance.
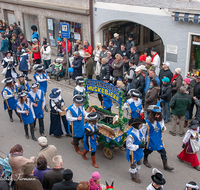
(78, 42)
(96, 53)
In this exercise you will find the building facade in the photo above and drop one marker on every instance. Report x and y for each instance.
(47, 16)
(170, 26)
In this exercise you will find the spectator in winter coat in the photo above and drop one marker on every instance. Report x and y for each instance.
(138, 80)
(110, 61)
(176, 81)
(190, 91)
(36, 52)
(89, 66)
(78, 42)
(165, 72)
(148, 79)
(197, 102)
(67, 183)
(151, 95)
(4, 45)
(23, 40)
(87, 48)
(17, 29)
(105, 69)
(59, 50)
(130, 73)
(9, 36)
(179, 104)
(96, 53)
(155, 61)
(117, 66)
(77, 65)
(166, 94)
(104, 51)
(117, 41)
(69, 46)
(130, 43)
(134, 55)
(123, 51)
(15, 42)
(112, 48)
(46, 54)
(126, 64)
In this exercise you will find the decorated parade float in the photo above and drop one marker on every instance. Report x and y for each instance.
(113, 127)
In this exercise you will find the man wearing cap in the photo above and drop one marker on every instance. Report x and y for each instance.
(133, 105)
(155, 127)
(138, 80)
(58, 122)
(134, 145)
(158, 180)
(189, 154)
(179, 104)
(113, 48)
(38, 99)
(134, 55)
(117, 41)
(48, 151)
(67, 183)
(28, 181)
(77, 65)
(75, 115)
(46, 54)
(89, 65)
(155, 61)
(165, 72)
(147, 63)
(130, 43)
(166, 94)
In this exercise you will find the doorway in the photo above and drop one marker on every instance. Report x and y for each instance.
(9, 16)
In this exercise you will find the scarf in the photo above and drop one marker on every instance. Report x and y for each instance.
(153, 57)
(175, 76)
(86, 47)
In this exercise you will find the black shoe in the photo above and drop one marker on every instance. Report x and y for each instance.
(27, 79)
(197, 168)
(11, 119)
(27, 136)
(33, 137)
(171, 133)
(45, 108)
(57, 136)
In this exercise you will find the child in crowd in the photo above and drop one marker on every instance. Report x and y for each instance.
(79, 89)
(36, 52)
(90, 137)
(189, 154)
(94, 182)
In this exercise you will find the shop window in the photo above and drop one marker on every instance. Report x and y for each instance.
(53, 26)
(195, 55)
(29, 20)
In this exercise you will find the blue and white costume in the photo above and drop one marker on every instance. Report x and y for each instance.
(107, 102)
(90, 142)
(21, 87)
(133, 107)
(10, 64)
(78, 90)
(24, 62)
(41, 78)
(150, 187)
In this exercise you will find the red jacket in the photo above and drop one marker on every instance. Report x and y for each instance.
(36, 55)
(88, 49)
(69, 46)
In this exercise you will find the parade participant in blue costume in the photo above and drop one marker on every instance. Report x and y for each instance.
(192, 186)
(155, 128)
(9, 64)
(75, 115)
(107, 102)
(24, 65)
(79, 89)
(25, 109)
(133, 105)
(41, 77)
(158, 180)
(90, 137)
(59, 124)
(37, 98)
(134, 145)
(21, 84)
(8, 94)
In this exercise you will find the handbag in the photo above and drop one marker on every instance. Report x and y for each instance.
(195, 144)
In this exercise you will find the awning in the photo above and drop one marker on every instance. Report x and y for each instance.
(186, 17)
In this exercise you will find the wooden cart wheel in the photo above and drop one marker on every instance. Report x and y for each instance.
(108, 153)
